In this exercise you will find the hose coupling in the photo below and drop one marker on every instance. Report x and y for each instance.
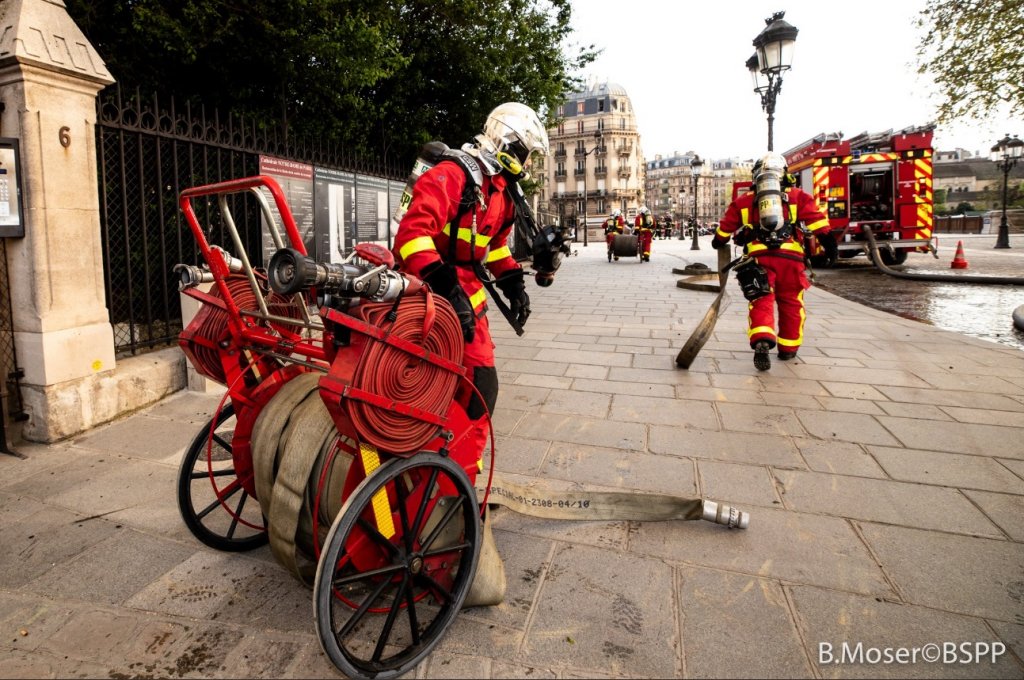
(725, 514)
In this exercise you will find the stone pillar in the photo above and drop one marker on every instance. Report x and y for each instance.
(49, 79)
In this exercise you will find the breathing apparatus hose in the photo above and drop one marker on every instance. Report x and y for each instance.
(919, 276)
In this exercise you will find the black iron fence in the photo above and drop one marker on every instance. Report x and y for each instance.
(149, 151)
(11, 407)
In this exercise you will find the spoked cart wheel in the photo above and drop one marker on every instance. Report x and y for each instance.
(397, 565)
(215, 506)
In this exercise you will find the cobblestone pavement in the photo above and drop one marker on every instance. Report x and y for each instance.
(884, 471)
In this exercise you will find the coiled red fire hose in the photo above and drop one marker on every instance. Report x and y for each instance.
(398, 376)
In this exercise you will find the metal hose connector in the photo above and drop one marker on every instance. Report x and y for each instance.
(725, 515)
(190, 275)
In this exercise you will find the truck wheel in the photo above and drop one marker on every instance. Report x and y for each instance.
(820, 262)
(892, 257)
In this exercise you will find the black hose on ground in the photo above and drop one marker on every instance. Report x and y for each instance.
(917, 276)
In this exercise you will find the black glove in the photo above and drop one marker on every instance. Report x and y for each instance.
(443, 280)
(744, 236)
(719, 242)
(828, 243)
(513, 286)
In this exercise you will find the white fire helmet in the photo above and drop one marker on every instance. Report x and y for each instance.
(645, 210)
(511, 128)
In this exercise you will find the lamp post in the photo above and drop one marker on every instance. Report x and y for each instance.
(773, 56)
(597, 145)
(1005, 154)
(695, 167)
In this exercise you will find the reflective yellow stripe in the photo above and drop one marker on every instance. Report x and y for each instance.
(792, 212)
(723, 234)
(761, 329)
(791, 246)
(466, 234)
(417, 245)
(499, 254)
(381, 506)
(745, 216)
(815, 226)
(478, 298)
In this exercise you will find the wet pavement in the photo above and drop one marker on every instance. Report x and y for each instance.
(982, 311)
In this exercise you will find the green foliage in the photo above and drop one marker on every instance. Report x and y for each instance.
(973, 50)
(376, 76)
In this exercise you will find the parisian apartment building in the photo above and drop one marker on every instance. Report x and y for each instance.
(596, 163)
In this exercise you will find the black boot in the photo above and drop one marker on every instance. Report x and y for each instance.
(762, 361)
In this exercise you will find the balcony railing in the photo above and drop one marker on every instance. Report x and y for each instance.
(625, 173)
(560, 174)
(580, 172)
(600, 172)
(560, 153)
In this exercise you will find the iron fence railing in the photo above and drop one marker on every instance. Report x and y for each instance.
(149, 151)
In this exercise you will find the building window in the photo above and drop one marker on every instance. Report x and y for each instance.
(579, 108)
(561, 128)
(600, 206)
(580, 206)
(561, 111)
(579, 127)
(622, 124)
(600, 105)
(600, 123)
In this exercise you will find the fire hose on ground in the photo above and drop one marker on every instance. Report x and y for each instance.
(1018, 313)
(921, 276)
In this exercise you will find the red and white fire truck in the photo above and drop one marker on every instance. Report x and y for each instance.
(881, 180)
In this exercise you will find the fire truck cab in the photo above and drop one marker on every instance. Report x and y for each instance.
(881, 180)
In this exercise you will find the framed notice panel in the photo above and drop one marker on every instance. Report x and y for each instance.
(335, 207)
(296, 180)
(12, 220)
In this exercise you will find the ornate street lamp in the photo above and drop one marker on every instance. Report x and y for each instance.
(597, 145)
(1005, 154)
(773, 57)
(695, 166)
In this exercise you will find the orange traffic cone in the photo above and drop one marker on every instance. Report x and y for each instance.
(959, 261)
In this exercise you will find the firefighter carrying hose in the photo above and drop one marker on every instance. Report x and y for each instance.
(770, 223)
(457, 223)
(644, 226)
(613, 226)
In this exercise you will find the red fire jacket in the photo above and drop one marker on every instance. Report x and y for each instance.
(423, 236)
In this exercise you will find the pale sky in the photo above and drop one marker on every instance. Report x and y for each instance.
(682, 65)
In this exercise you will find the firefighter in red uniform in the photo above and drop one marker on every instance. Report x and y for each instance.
(767, 222)
(644, 226)
(613, 226)
(458, 223)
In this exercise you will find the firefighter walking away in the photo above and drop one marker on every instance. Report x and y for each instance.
(770, 223)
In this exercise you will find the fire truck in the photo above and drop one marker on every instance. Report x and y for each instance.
(881, 180)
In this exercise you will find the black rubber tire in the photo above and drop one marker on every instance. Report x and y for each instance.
(349, 604)
(892, 257)
(821, 262)
(213, 524)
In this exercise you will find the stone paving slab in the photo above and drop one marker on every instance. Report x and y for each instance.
(968, 575)
(831, 619)
(751, 613)
(898, 447)
(877, 500)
